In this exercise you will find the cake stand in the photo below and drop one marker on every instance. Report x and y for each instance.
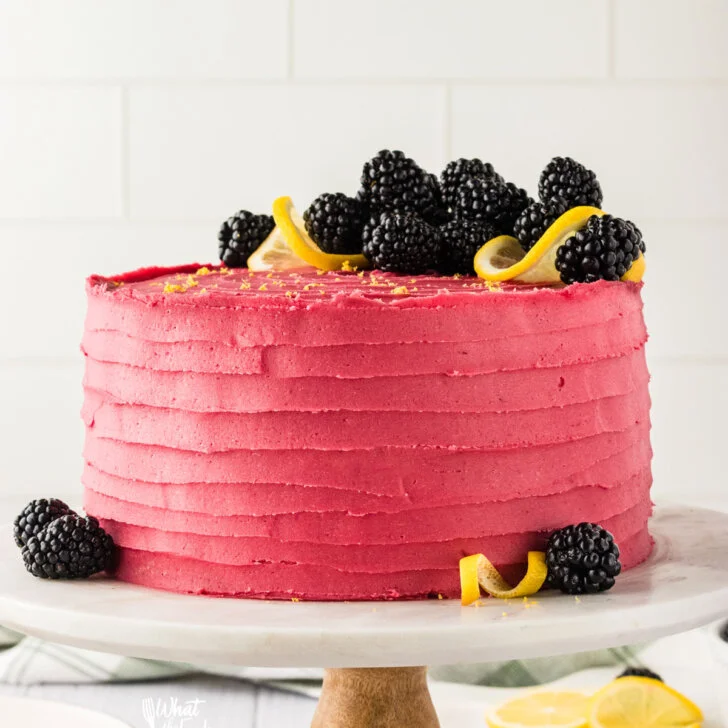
(683, 585)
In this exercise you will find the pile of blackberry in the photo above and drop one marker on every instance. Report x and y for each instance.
(420, 214)
(57, 543)
(407, 220)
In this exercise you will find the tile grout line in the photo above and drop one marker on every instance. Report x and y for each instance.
(290, 29)
(611, 39)
(358, 81)
(447, 124)
(125, 155)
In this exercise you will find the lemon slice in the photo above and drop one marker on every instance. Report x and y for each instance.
(274, 254)
(292, 247)
(640, 702)
(539, 710)
(477, 572)
(503, 259)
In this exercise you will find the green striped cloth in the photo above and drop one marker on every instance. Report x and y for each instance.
(28, 661)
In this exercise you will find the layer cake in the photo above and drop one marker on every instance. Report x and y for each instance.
(352, 436)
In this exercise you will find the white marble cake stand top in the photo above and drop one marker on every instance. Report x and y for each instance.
(683, 585)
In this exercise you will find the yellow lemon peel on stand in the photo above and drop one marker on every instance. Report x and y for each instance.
(289, 246)
(477, 572)
(503, 258)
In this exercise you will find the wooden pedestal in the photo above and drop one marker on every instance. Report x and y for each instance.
(395, 697)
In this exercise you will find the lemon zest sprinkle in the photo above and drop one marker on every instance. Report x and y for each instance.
(173, 288)
(400, 291)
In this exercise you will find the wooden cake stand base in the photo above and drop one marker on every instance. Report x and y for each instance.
(385, 697)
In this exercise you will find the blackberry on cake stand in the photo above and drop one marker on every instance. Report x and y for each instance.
(374, 651)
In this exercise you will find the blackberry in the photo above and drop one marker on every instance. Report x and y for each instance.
(533, 222)
(458, 171)
(438, 214)
(71, 547)
(460, 240)
(582, 559)
(35, 516)
(390, 181)
(334, 222)
(724, 633)
(488, 200)
(402, 243)
(240, 235)
(369, 224)
(604, 250)
(640, 672)
(571, 181)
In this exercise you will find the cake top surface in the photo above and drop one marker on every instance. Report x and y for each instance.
(198, 284)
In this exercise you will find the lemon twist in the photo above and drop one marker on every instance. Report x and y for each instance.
(477, 572)
(503, 258)
(289, 246)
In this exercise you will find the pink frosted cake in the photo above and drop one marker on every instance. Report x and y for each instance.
(343, 436)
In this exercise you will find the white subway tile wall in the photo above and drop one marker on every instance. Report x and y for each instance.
(130, 128)
(460, 39)
(199, 151)
(143, 39)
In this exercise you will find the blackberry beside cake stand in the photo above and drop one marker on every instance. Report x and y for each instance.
(373, 650)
